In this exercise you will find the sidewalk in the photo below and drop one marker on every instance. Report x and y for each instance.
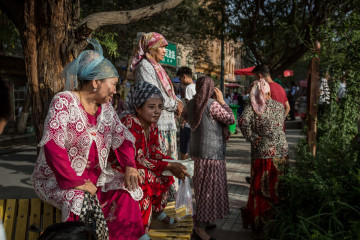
(238, 167)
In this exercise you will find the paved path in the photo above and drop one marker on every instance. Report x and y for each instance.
(17, 158)
(238, 167)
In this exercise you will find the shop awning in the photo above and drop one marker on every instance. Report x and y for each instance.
(244, 71)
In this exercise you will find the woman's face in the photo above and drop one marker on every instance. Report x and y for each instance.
(151, 110)
(159, 53)
(106, 89)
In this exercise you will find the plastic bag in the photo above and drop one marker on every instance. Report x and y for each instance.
(183, 205)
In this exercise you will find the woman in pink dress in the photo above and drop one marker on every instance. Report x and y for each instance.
(82, 136)
(143, 109)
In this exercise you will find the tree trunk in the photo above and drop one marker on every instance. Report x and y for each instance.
(47, 43)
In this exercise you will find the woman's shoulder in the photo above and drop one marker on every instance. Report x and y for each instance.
(65, 96)
(130, 120)
(144, 63)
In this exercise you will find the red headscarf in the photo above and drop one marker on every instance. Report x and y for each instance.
(204, 90)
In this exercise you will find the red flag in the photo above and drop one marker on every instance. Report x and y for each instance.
(288, 73)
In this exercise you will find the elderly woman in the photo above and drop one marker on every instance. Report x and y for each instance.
(208, 119)
(150, 51)
(82, 133)
(262, 124)
(143, 106)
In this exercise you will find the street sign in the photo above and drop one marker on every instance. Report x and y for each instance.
(170, 56)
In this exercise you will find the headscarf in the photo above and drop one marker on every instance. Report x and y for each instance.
(89, 65)
(258, 91)
(204, 90)
(138, 95)
(147, 42)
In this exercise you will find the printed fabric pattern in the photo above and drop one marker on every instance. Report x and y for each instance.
(67, 125)
(268, 126)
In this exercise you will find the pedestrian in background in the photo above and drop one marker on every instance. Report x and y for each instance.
(185, 76)
(277, 91)
(292, 100)
(324, 95)
(208, 115)
(262, 124)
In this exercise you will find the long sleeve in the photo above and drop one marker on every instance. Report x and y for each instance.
(146, 72)
(58, 160)
(125, 155)
(245, 123)
(222, 113)
(143, 158)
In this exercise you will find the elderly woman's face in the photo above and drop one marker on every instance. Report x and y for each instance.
(151, 110)
(106, 89)
(159, 53)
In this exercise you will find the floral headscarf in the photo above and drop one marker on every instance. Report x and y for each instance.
(89, 65)
(257, 95)
(147, 42)
(138, 95)
(204, 90)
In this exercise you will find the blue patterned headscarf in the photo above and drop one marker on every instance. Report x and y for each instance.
(138, 95)
(89, 65)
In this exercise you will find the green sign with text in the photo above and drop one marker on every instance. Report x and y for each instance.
(170, 56)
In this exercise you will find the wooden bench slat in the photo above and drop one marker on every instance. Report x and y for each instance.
(48, 215)
(58, 215)
(22, 219)
(35, 215)
(9, 218)
(2, 209)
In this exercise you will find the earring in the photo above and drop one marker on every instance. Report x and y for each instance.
(95, 90)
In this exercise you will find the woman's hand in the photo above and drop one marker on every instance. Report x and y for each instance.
(132, 178)
(178, 170)
(179, 108)
(218, 96)
(88, 187)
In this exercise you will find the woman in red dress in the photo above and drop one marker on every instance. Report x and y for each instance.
(142, 111)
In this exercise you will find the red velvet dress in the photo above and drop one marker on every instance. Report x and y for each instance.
(149, 162)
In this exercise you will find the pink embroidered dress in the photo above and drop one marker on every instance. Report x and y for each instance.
(76, 147)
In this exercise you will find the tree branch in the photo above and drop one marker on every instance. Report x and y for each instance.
(97, 20)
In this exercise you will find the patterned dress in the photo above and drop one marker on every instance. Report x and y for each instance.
(210, 183)
(73, 150)
(268, 159)
(149, 162)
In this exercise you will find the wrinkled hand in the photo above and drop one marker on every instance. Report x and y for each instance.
(88, 187)
(179, 108)
(256, 142)
(218, 96)
(178, 170)
(132, 178)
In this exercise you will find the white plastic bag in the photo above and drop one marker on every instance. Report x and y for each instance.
(183, 205)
